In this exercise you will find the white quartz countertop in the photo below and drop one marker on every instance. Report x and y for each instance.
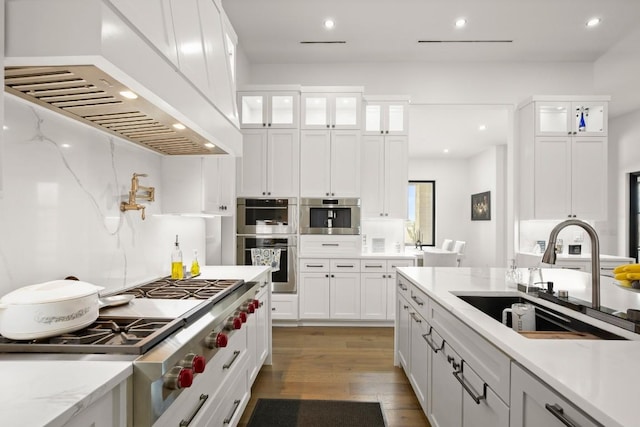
(37, 393)
(598, 376)
(584, 257)
(40, 391)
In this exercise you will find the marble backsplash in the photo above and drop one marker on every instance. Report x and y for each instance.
(60, 214)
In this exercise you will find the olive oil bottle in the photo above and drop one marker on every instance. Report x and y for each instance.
(195, 267)
(177, 271)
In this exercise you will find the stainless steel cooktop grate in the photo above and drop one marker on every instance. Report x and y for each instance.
(183, 289)
(88, 94)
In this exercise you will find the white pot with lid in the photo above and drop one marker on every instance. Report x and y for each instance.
(48, 309)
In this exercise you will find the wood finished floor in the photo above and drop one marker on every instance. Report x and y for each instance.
(338, 363)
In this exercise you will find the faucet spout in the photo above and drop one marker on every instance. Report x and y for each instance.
(549, 255)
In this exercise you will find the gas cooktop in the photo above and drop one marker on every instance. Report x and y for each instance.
(191, 288)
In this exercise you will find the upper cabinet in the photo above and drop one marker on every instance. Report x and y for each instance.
(331, 108)
(384, 116)
(580, 118)
(264, 110)
(563, 158)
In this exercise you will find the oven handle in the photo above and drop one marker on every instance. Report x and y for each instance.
(233, 359)
(236, 404)
(203, 399)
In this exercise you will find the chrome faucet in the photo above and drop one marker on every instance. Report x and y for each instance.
(549, 256)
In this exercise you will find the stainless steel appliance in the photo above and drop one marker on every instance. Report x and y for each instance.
(283, 280)
(267, 216)
(173, 332)
(329, 216)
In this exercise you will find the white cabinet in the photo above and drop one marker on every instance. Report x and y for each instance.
(563, 170)
(273, 109)
(561, 118)
(153, 19)
(384, 176)
(108, 411)
(378, 288)
(330, 163)
(192, 184)
(284, 307)
(329, 289)
(420, 358)
(270, 163)
(383, 116)
(336, 108)
(535, 404)
(259, 331)
(403, 331)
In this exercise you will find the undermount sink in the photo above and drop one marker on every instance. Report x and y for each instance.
(547, 320)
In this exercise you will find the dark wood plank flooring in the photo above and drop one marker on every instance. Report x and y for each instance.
(338, 363)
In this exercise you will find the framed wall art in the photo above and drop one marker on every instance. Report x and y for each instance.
(481, 206)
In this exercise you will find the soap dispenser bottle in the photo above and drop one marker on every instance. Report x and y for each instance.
(176, 262)
(195, 267)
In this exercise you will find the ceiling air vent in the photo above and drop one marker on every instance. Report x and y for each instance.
(88, 94)
(465, 41)
(324, 42)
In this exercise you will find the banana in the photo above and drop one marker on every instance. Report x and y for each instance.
(625, 283)
(619, 269)
(620, 276)
(633, 276)
(632, 268)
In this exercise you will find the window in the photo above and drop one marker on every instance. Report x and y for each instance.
(421, 213)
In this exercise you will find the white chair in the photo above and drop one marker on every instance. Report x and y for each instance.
(439, 259)
(458, 249)
(447, 244)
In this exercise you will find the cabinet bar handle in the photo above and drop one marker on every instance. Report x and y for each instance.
(373, 266)
(476, 398)
(558, 412)
(404, 288)
(433, 347)
(345, 265)
(413, 316)
(314, 265)
(331, 244)
(233, 359)
(418, 300)
(203, 399)
(236, 403)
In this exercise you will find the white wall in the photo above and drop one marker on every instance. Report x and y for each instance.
(60, 216)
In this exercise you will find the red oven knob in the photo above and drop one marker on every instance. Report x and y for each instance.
(195, 362)
(256, 303)
(233, 323)
(178, 377)
(248, 307)
(242, 316)
(217, 340)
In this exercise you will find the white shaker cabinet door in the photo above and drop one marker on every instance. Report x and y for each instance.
(252, 169)
(374, 296)
(345, 296)
(345, 163)
(396, 176)
(283, 162)
(403, 332)
(314, 295)
(186, 24)
(589, 177)
(315, 163)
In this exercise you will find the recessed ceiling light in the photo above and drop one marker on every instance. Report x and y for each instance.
(5, 127)
(482, 127)
(329, 23)
(179, 126)
(209, 145)
(593, 22)
(65, 145)
(128, 94)
(446, 150)
(460, 22)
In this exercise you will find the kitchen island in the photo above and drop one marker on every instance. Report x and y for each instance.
(598, 377)
(55, 389)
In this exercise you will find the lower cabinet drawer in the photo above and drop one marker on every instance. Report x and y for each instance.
(487, 361)
(231, 401)
(284, 307)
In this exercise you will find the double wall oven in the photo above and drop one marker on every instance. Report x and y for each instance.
(267, 223)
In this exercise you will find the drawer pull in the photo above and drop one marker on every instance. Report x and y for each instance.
(476, 398)
(414, 317)
(372, 266)
(404, 288)
(203, 399)
(233, 359)
(433, 347)
(314, 265)
(331, 244)
(418, 300)
(345, 266)
(236, 403)
(558, 412)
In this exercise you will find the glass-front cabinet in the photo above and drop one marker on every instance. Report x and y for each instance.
(585, 118)
(386, 117)
(331, 110)
(263, 110)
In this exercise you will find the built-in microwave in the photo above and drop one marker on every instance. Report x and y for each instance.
(330, 216)
(267, 216)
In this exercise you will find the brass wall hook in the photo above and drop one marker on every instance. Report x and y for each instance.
(148, 194)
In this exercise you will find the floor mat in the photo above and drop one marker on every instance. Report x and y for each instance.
(315, 413)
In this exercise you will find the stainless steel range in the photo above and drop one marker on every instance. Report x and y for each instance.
(174, 332)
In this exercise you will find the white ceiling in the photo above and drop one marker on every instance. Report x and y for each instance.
(270, 31)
